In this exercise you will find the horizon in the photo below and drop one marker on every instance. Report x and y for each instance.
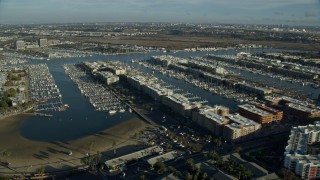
(287, 12)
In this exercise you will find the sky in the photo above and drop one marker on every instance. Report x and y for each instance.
(293, 12)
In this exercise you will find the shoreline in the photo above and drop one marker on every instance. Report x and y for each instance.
(16, 113)
(28, 155)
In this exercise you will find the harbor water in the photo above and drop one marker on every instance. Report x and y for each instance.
(81, 119)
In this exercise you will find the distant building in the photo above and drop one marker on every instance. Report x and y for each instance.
(20, 45)
(107, 77)
(167, 60)
(43, 43)
(260, 91)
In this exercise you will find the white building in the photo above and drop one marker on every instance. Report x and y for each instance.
(306, 166)
(296, 154)
(300, 137)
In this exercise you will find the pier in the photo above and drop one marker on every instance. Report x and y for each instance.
(39, 114)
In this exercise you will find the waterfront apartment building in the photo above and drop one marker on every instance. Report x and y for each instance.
(136, 81)
(297, 157)
(300, 111)
(301, 136)
(208, 118)
(256, 114)
(165, 60)
(156, 91)
(260, 91)
(277, 114)
(239, 128)
(305, 166)
(180, 104)
(107, 77)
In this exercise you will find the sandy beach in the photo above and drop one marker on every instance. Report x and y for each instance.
(26, 155)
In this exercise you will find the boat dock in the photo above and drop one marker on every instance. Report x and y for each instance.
(45, 94)
(100, 97)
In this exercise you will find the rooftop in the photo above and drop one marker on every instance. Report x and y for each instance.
(253, 109)
(240, 120)
(135, 155)
(163, 157)
(213, 116)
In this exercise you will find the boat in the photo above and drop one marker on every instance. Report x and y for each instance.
(130, 110)
(122, 110)
(112, 112)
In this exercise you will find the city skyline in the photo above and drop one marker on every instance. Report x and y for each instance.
(292, 12)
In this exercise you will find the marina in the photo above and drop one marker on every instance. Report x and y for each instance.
(45, 94)
(213, 87)
(100, 97)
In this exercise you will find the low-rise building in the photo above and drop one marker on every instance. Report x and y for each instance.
(260, 91)
(20, 45)
(180, 104)
(107, 77)
(163, 157)
(301, 111)
(156, 91)
(120, 162)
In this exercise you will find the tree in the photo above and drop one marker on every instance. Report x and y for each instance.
(90, 145)
(196, 174)
(92, 161)
(188, 176)
(12, 92)
(6, 153)
(160, 167)
(114, 143)
(40, 171)
(4, 105)
(217, 142)
(143, 177)
(204, 175)
(190, 165)
(237, 149)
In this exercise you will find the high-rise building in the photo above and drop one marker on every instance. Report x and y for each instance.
(20, 45)
(301, 136)
(297, 159)
(306, 166)
(43, 42)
